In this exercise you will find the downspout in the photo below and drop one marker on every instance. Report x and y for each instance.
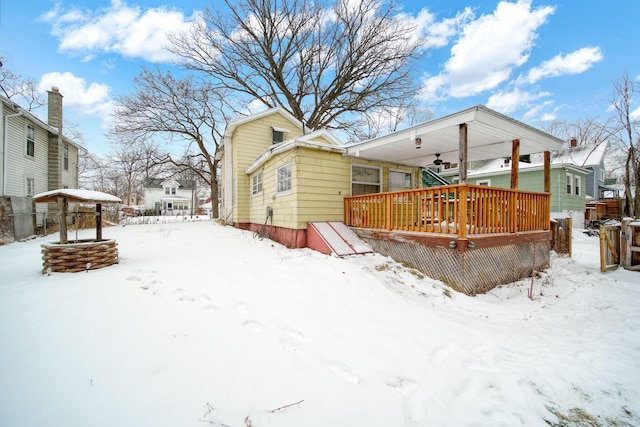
(5, 146)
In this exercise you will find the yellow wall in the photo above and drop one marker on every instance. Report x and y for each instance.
(320, 178)
(249, 140)
(320, 181)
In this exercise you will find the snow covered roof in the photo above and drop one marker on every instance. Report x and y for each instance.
(74, 195)
(301, 141)
(498, 166)
(582, 155)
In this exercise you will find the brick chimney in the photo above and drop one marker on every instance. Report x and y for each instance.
(573, 142)
(54, 119)
(55, 108)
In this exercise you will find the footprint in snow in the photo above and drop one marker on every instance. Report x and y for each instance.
(181, 295)
(404, 386)
(291, 339)
(253, 326)
(343, 372)
(207, 304)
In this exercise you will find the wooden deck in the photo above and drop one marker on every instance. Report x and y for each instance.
(471, 237)
(456, 211)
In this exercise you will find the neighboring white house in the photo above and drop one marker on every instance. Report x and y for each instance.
(169, 196)
(35, 156)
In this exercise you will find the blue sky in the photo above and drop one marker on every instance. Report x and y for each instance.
(532, 60)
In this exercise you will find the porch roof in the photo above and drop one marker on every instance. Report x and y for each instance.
(489, 135)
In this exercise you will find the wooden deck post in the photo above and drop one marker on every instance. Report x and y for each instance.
(515, 160)
(462, 153)
(547, 172)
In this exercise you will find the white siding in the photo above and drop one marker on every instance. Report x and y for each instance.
(21, 166)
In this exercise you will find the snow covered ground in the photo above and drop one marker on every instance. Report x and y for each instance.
(205, 325)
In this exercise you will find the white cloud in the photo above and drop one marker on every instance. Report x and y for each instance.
(118, 28)
(437, 33)
(573, 63)
(90, 99)
(488, 49)
(507, 102)
(492, 46)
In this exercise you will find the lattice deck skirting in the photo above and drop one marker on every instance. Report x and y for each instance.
(471, 271)
(78, 256)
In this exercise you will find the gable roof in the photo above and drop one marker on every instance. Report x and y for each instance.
(498, 167)
(35, 119)
(581, 155)
(490, 135)
(231, 126)
(184, 184)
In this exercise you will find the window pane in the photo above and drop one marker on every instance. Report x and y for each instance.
(365, 180)
(284, 179)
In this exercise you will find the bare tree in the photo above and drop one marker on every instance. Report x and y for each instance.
(325, 66)
(181, 110)
(585, 131)
(628, 137)
(19, 88)
(386, 120)
(136, 160)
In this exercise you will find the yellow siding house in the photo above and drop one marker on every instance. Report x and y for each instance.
(278, 176)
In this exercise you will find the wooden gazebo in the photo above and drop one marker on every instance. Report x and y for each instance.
(77, 255)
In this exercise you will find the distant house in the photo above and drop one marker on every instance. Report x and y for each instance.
(169, 196)
(592, 158)
(36, 156)
(568, 182)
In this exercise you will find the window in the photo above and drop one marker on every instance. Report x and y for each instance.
(602, 177)
(365, 180)
(30, 186)
(278, 136)
(576, 185)
(170, 190)
(66, 157)
(399, 180)
(31, 141)
(484, 182)
(256, 183)
(283, 179)
(569, 184)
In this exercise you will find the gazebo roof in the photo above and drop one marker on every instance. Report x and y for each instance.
(74, 195)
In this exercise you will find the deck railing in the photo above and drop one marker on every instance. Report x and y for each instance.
(462, 210)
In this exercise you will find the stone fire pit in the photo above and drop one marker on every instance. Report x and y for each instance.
(77, 255)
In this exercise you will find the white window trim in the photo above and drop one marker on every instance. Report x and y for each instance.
(27, 190)
(568, 181)
(65, 159)
(254, 176)
(33, 141)
(577, 185)
(288, 191)
(411, 179)
(485, 182)
(365, 183)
